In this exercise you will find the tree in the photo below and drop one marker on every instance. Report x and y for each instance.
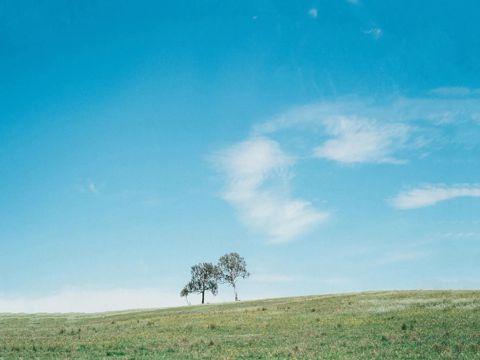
(204, 278)
(185, 292)
(232, 267)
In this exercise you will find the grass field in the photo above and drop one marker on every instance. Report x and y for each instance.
(382, 325)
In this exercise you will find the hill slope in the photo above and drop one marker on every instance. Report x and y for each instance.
(406, 324)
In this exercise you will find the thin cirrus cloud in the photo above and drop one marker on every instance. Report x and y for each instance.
(257, 173)
(349, 132)
(360, 140)
(346, 131)
(440, 108)
(432, 194)
(360, 130)
(375, 32)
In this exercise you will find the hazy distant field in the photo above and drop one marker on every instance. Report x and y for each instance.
(387, 325)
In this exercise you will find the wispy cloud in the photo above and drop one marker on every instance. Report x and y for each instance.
(432, 194)
(461, 235)
(432, 110)
(88, 186)
(353, 131)
(374, 32)
(365, 131)
(313, 12)
(455, 91)
(257, 172)
(360, 140)
(347, 131)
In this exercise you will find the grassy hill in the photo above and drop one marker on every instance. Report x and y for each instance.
(383, 325)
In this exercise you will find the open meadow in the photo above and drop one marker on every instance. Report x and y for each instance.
(383, 325)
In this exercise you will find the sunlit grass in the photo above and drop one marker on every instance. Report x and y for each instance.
(411, 325)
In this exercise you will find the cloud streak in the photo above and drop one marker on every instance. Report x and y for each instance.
(375, 32)
(432, 194)
(355, 130)
(430, 110)
(91, 300)
(455, 91)
(257, 187)
(356, 140)
(348, 131)
(352, 131)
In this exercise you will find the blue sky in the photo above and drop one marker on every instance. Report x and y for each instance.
(334, 144)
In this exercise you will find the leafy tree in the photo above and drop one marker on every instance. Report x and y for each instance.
(185, 292)
(204, 278)
(232, 267)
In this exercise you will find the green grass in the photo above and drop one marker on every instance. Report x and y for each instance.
(381, 325)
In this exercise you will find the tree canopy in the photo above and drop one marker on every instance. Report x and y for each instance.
(232, 267)
(204, 278)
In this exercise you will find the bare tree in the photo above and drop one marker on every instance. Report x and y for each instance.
(232, 267)
(204, 278)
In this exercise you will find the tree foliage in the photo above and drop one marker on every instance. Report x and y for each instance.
(205, 278)
(232, 267)
(185, 292)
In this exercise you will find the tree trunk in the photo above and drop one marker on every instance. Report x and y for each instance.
(203, 297)
(235, 291)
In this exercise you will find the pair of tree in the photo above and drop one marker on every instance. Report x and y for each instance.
(207, 276)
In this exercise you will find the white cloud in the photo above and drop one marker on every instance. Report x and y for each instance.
(432, 194)
(358, 130)
(90, 300)
(257, 186)
(360, 140)
(355, 132)
(347, 131)
(84, 300)
(436, 111)
(313, 12)
(375, 32)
